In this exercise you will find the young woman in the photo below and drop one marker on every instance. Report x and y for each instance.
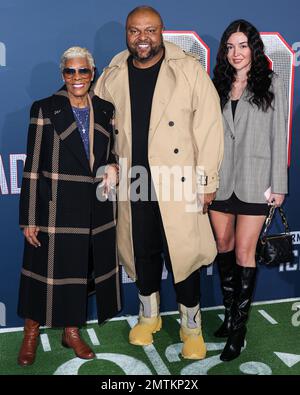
(253, 174)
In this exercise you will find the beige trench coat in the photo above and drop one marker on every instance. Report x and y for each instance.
(185, 131)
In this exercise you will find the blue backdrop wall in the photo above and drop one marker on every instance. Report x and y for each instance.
(33, 35)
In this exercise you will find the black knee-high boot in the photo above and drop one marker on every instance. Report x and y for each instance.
(226, 265)
(245, 277)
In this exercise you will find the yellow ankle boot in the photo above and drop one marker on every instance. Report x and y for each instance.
(149, 321)
(141, 333)
(193, 344)
(190, 333)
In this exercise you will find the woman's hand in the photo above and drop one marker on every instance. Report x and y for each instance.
(276, 199)
(31, 232)
(111, 178)
(206, 200)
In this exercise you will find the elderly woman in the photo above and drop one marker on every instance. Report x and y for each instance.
(68, 231)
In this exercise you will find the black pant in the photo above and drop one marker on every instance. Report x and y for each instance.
(149, 260)
(149, 272)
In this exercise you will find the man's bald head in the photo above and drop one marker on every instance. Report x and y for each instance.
(145, 9)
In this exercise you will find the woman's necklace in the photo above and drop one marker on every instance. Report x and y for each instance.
(78, 114)
(237, 89)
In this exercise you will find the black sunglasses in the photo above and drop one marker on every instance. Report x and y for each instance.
(70, 72)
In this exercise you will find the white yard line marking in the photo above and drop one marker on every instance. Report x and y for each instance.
(45, 342)
(275, 301)
(204, 309)
(221, 316)
(5, 330)
(268, 317)
(151, 353)
(94, 339)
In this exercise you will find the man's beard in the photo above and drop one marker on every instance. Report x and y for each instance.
(151, 54)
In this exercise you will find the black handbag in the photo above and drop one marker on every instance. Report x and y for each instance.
(272, 250)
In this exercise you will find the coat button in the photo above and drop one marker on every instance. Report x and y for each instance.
(176, 150)
(171, 123)
(182, 179)
(116, 131)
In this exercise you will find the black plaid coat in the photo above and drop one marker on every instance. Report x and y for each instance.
(59, 195)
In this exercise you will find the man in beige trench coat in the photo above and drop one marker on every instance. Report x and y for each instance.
(168, 122)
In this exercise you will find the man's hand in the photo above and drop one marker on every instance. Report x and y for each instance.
(31, 232)
(205, 200)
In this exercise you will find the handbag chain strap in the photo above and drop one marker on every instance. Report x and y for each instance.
(270, 216)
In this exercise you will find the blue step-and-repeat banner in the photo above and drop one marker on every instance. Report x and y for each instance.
(34, 34)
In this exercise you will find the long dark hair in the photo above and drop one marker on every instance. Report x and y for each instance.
(259, 80)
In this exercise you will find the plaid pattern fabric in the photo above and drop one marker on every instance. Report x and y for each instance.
(58, 195)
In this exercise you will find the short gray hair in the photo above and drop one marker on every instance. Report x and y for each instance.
(76, 52)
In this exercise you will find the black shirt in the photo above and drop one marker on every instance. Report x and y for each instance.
(233, 107)
(146, 222)
(141, 84)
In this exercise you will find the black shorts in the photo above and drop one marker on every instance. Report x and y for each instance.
(235, 206)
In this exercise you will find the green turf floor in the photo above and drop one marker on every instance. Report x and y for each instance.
(273, 348)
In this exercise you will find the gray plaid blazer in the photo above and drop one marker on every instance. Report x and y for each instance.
(255, 148)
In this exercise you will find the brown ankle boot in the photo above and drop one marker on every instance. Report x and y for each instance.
(30, 342)
(71, 339)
